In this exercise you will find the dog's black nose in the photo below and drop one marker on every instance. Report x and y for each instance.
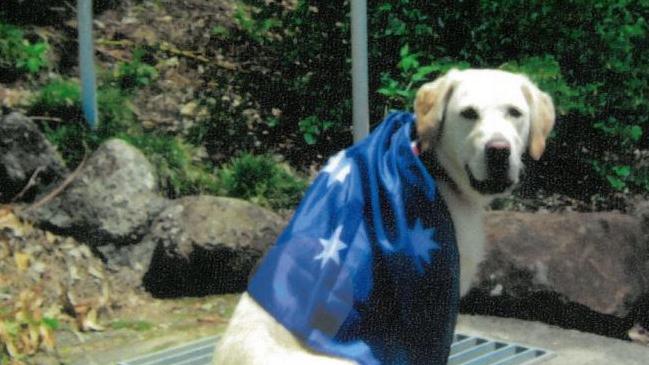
(497, 153)
(497, 150)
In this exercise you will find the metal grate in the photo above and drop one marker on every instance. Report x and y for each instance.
(466, 350)
(194, 353)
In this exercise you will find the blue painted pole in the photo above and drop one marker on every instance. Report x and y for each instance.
(87, 63)
(360, 108)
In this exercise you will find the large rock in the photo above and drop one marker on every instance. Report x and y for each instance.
(24, 152)
(599, 260)
(208, 245)
(113, 200)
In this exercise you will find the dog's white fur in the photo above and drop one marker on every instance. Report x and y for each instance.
(255, 337)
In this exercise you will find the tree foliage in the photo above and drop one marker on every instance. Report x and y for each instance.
(591, 56)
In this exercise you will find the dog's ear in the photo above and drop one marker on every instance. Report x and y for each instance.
(541, 118)
(430, 104)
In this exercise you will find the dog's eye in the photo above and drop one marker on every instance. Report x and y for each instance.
(514, 112)
(469, 113)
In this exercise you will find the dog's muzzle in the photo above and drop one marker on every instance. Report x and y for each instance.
(497, 152)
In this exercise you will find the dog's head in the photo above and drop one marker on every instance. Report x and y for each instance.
(479, 123)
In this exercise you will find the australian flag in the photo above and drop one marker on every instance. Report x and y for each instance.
(368, 267)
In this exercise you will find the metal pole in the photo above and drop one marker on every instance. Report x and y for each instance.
(360, 108)
(87, 63)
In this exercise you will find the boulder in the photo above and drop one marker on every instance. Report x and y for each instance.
(25, 152)
(135, 258)
(599, 260)
(112, 201)
(208, 245)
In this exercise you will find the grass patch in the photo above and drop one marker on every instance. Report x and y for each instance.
(178, 173)
(135, 325)
(60, 99)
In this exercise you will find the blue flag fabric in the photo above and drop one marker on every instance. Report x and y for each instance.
(368, 267)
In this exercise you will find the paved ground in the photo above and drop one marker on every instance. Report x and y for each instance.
(572, 347)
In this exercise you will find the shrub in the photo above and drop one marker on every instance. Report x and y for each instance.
(261, 180)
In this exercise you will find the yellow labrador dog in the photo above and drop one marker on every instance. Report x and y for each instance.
(477, 124)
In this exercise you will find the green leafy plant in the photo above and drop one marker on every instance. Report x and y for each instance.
(18, 54)
(261, 30)
(135, 73)
(262, 180)
(312, 127)
(545, 71)
(33, 58)
(616, 175)
(626, 135)
(400, 92)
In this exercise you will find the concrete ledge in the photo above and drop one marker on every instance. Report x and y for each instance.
(572, 347)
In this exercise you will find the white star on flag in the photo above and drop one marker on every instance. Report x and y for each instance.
(338, 168)
(423, 242)
(330, 248)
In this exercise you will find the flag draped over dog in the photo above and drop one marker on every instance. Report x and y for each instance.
(368, 267)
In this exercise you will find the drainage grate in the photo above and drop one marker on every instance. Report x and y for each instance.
(194, 353)
(466, 350)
